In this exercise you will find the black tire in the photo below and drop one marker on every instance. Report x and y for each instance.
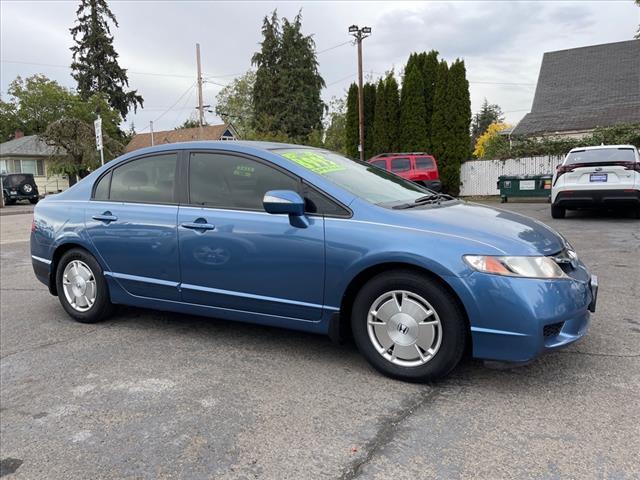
(558, 212)
(33, 201)
(102, 307)
(9, 201)
(452, 319)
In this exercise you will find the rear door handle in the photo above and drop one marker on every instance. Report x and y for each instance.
(105, 217)
(197, 226)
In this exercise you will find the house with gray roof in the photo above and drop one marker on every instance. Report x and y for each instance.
(30, 154)
(581, 89)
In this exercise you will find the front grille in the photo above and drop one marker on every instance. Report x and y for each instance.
(552, 330)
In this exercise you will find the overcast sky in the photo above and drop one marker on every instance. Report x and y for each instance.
(501, 42)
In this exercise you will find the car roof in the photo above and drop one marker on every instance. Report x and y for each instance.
(384, 155)
(243, 145)
(601, 147)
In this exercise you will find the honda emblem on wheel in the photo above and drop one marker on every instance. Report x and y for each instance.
(403, 328)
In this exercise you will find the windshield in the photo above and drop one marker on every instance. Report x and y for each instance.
(601, 155)
(362, 179)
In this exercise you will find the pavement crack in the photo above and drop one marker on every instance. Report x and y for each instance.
(386, 431)
(49, 344)
(594, 354)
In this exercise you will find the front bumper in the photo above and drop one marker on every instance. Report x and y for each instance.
(516, 319)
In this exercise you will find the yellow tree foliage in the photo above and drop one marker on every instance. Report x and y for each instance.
(491, 133)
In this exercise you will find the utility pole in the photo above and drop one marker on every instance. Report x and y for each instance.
(200, 106)
(360, 34)
(151, 128)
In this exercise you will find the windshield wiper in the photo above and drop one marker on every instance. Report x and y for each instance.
(436, 198)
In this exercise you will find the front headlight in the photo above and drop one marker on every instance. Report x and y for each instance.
(529, 267)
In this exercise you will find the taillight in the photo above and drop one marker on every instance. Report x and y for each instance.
(632, 166)
(33, 225)
(561, 170)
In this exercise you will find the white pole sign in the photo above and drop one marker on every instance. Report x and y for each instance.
(98, 127)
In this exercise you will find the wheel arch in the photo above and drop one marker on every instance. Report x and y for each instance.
(58, 252)
(343, 329)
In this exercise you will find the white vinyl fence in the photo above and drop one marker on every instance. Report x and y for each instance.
(479, 177)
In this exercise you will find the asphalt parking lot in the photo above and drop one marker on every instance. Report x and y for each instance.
(155, 395)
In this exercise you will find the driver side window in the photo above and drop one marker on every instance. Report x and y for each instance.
(233, 182)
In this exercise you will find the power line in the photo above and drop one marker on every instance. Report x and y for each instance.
(171, 107)
(132, 72)
(341, 80)
(334, 47)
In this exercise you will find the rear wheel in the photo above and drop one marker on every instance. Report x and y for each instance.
(33, 200)
(408, 326)
(558, 212)
(81, 287)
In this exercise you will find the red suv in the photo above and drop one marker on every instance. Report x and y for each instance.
(417, 167)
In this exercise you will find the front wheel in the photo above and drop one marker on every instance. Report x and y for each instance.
(408, 326)
(81, 287)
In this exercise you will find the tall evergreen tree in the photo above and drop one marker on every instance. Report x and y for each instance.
(381, 141)
(412, 109)
(369, 100)
(267, 89)
(392, 95)
(287, 90)
(351, 128)
(301, 82)
(429, 78)
(95, 61)
(440, 116)
(458, 148)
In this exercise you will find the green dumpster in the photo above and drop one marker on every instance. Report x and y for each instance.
(524, 186)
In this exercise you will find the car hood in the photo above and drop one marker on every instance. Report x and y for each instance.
(509, 232)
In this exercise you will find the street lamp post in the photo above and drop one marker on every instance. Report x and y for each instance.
(360, 34)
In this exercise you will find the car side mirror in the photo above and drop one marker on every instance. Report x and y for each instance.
(283, 202)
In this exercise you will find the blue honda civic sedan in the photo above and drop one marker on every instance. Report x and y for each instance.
(304, 238)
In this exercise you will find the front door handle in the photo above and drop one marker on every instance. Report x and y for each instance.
(105, 217)
(198, 225)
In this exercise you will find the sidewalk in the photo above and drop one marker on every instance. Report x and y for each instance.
(18, 209)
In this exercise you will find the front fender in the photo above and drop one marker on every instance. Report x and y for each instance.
(353, 247)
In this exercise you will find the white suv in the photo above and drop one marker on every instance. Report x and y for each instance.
(605, 176)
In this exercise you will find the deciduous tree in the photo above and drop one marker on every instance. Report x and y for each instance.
(234, 103)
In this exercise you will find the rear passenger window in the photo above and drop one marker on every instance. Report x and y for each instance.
(424, 163)
(102, 188)
(148, 180)
(400, 164)
(380, 164)
(229, 181)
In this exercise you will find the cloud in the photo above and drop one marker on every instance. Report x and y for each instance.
(499, 41)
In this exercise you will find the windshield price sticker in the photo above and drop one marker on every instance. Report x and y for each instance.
(314, 162)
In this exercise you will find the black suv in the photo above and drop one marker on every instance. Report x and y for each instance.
(19, 186)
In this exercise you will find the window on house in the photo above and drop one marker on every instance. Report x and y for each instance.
(33, 166)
